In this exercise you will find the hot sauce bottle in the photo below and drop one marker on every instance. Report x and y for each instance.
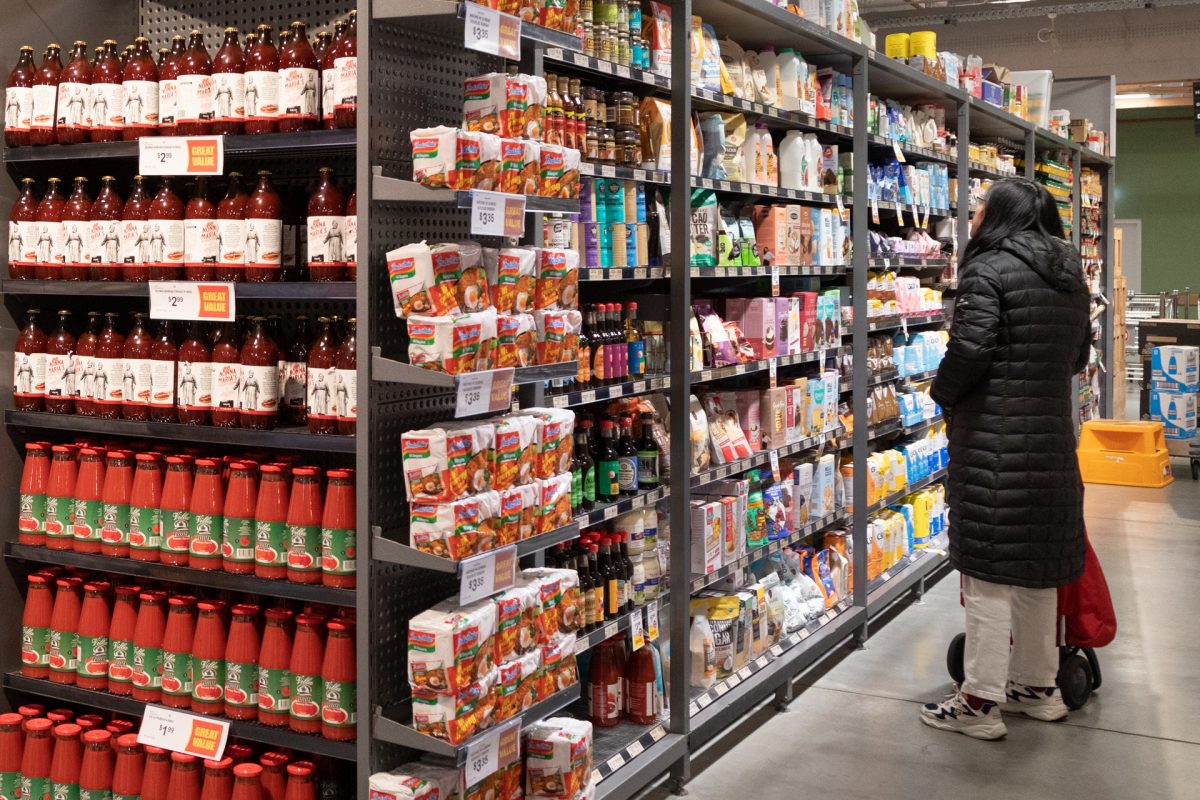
(23, 233)
(165, 245)
(274, 775)
(218, 779)
(196, 89)
(96, 771)
(339, 706)
(108, 101)
(304, 526)
(238, 540)
(345, 60)
(298, 79)
(264, 232)
(35, 628)
(274, 679)
(322, 375)
(92, 669)
(76, 222)
(184, 783)
(60, 373)
(241, 664)
(346, 381)
(231, 231)
(73, 118)
(293, 375)
(168, 86)
(226, 378)
(201, 235)
(64, 630)
(89, 508)
(208, 660)
(140, 80)
(135, 371)
(328, 73)
(108, 395)
(247, 782)
(115, 497)
(308, 689)
(45, 97)
(135, 234)
(60, 498)
(177, 652)
(156, 777)
(18, 99)
(35, 759)
(162, 373)
(145, 515)
(193, 387)
(83, 364)
(127, 774)
(176, 505)
(351, 228)
(326, 230)
(270, 523)
(262, 83)
(120, 640)
(49, 246)
(229, 86)
(103, 242)
(206, 525)
(12, 742)
(338, 545)
(260, 379)
(35, 475)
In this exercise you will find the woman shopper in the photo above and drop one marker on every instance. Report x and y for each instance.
(1021, 330)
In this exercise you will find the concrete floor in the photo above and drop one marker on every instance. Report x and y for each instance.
(852, 731)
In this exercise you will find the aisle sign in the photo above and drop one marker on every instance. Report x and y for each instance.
(177, 731)
(486, 574)
(181, 155)
(496, 750)
(192, 301)
(652, 620)
(497, 214)
(485, 392)
(490, 31)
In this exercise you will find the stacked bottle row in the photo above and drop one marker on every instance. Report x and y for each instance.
(124, 96)
(625, 683)
(271, 520)
(254, 237)
(611, 349)
(229, 375)
(617, 461)
(293, 670)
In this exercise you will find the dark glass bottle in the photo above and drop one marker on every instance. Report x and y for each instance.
(587, 471)
(599, 582)
(627, 571)
(647, 454)
(607, 465)
(627, 459)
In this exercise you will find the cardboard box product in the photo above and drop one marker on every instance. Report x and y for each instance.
(823, 493)
(825, 255)
(1175, 368)
(793, 254)
(772, 409)
(1176, 411)
(706, 537)
(809, 329)
(748, 411)
(787, 326)
(770, 233)
(755, 317)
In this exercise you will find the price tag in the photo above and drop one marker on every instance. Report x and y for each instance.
(496, 750)
(652, 621)
(803, 634)
(772, 372)
(693, 708)
(875, 210)
(916, 214)
(597, 775)
(900, 214)
(637, 636)
(190, 300)
(775, 465)
(484, 575)
(581, 645)
(615, 763)
(588, 397)
(202, 737)
(843, 605)
(885, 577)
(899, 153)
(705, 700)
(744, 672)
(635, 749)
(775, 280)
(579, 58)
(181, 155)
(622, 71)
(640, 273)
(496, 214)
(490, 31)
(776, 650)
(611, 629)
(608, 170)
(639, 174)
(762, 661)
(725, 185)
(658, 732)
(732, 681)
(826, 617)
(487, 392)
(610, 512)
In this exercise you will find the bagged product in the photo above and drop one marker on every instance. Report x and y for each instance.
(455, 717)
(415, 781)
(454, 345)
(554, 436)
(410, 271)
(525, 113)
(516, 443)
(434, 154)
(704, 228)
(701, 455)
(554, 510)
(437, 463)
(656, 133)
(517, 686)
(508, 524)
(561, 670)
(553, 173)
(558, 278)
(716, 338)
(531, 495)
(712, 127)
(517, 613)
(466, 259)
(558, 758)
(725, 431)
(558, 593)
(656, 30)
(512, 166)
(485, 101)
(457, 529)
(710, 66)
(450, 647)
(733, 157)
(512, 277)
(516, 341)
(557, 335)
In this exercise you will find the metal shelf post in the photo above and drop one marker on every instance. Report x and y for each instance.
(859, 333)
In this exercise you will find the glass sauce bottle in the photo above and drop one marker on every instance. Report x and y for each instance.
(83, 364)
(135, 233)
(127, 774)
(338, 531)
(270, 523)
(64, 630)
(176, 504)
(168, 86)
(96, 770)
(326, 231)
(201, 235)
(218, 779)
(262, 83)
(274, 679)
(108, 395)
(73, 117)
(308, 653)
(184, 783)
(193, 387)
(226, 378)
(328, 73)
(165, 247)
(241, 664)
(162, 373)
(12, 743)
(145, 514)
(247, 782)
(35, 758)
(23, 232)
(60, 498)
(196, 89)
(231, 231)
(260, 379)
(177, 652)
(274, 774)
(346, 381)
(304, 526)
(208, 660)
(49, 244)
(322, 373)
(135, 372)
(345, 61)
(103, 242)
(89, 485)
(35, 474)
(157, 774)
(35, 628)
(339, 705)
(107, 99)
(264, 232)
(229, 99)
(238, 530)
(45, 97)
(18, 96)
(298, 79)
(140, 79)
(76, 221)
(206, 524)
(115, 497)
(92, 668)
(64, 764)
(301, 782)
(60, 374)
(293, 375)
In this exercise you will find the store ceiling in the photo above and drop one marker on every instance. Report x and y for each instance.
(895, 13)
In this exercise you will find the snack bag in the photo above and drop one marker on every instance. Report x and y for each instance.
(434, 154)
(516, 443)
(516, 341)
(512, 277)
(558, 278)
(517, 610)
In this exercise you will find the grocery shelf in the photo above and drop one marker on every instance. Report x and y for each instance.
(396, 10)
(758, 190)
(1091, 158)
(703, 98)
(895, 80)
(921, 377)
(619, 624)
(783, 270)
(238, 729)
(885, 428)
(890, 586)
(213, 579)
(399, 190)
(906, 321)
(387, 370)
(278, 439)
(384, 548)
(609, 511)
(915, 486)
(622, 273)
(301, 144)
(923, 425)
(846, 384)
(628, 755)
(907, 262)
(813, 527)
(583, 397)
(279, 290)
(915, 152)
(750, 367)
(559, 55)
(991, 122)
(761, 22)
(930, 318)
(625, 173)
(1052, 141)
(980, 170)
(762, 457)
(907, 208)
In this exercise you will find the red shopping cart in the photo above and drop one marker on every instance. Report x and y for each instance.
(1086, 621)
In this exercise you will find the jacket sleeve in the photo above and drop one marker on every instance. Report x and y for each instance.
(972, 335)
(1085, 349)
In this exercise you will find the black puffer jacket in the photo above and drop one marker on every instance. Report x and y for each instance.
(1021, 331)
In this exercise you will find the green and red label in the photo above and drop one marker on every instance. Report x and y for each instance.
(119, 668)
(63, 649)
(274, 690)
(340, 706)
(176, 673)
(304, 548)
(95, 794)
(34, 788)
(205, 532)
(114, 523)
(208, 680)
(87, 521)
(338, 551)
(238, 544)
(32, 515)
(93, 656)
(64, 791)
(35, 646)
(270, 543)
(10, 786)
(147, 667)
(307, 693)
(60, 512)
(145, 528)
(176, 526)
(241, 684)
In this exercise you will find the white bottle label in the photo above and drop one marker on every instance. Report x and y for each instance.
(82, 380)
(326, 241)
(60, 378)
(168, 101)
(108, 388)
(293, 383)
(263, 242)
(321, 398)
(328, 92)
(345, 390)
(29, 374)
(231, 241)
(260, 389)
(104, 241)
(194, 388)
(45, 99)
(162, 383)
(108, 106)
(351, 238)
(74, 108)
(58, 244)
(133, 241)
(26, 244)
(141, 103)
(297, 93)
(347, 81)
(200, 242)
(226, 386)
(18, 108)
(196, 94)
(165, 241)
(16, 243)
(262, 95)
(75, 235)
(47, 233)
(136, 382)
(229, 96)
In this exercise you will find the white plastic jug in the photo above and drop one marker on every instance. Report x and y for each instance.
(791, 160)
(789, 80)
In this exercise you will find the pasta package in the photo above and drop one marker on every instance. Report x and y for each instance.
(554, 510)
(516, 439)
(517, 613)
(437, 463)
(434, 155)
(457, 529)
(491, 102)
(512, 507)
(415, 781)
(516, 341)
(512, 278)
(552, 169)
(554, 436)
(561, 670)
(410, 272)
(531, 497)
(558, 278)
(454, 345)
(527, 111)
(450, 647)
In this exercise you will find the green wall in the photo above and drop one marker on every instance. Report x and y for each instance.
(1158, 182)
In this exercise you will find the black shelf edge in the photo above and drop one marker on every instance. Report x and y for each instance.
(339, 290)
(394, 551)
(301, 142)
(913, 151)
(586, 641)
(600, 393)
(639, 761)
(622, 273)
(607, 68)
(612, 510)
(894, 582)
(761, 190)
(763, 457)
(885, 428)
(921, 377)
(923, 425)
(907, 262)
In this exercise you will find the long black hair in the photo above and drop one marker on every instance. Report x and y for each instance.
(1014, 205)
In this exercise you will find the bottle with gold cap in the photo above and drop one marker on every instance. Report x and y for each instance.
(140, 79)
(108, 95)
(18, 99)
(168, 86)
(298, 81)
(196, 88)
(73, 117)
(229, 86)
(45, 96)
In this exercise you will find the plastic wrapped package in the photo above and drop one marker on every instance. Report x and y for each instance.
(512, 278)
(554, 506)
(417, 288)
(516, 341)
(457, 529)
(558, 758)
(438, 462)
(518, 685)
(516, 447)
(554, 437)
(450, 648)
(557, 335)
(518, 614)
(558, 278)
(559, 597)
(560, 668)
(434, 154)
(454, 345)
(459, 716)
(415, 781)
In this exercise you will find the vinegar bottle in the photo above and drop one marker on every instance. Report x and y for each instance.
(177, 652)
(260, 379)
(298, 77)
(184, 783)
(64, 630)
(241, 664)
(108, 393)
(339, 706)
(218, 780)
(293, 375)
(193, 388)
(176, 502)
(168, 86)
(89, 509)
(60, 498)
(308, 689)
(35, 628)
(229, 82)
(120, 640)
(83, 364)
(326, 230)
(338, 532)
(237, 548)
(35, 759)
(304, 526)
(231, 231)
(115, 498)
(135, 234)
(208, 660)
(247, 782)
(92, 669)
(328, 73)
(127, 774)
(322, 374)
(162, 373)
(351, 228)
(12, 742)
(346, 382)
(103, 243)
(196, 89)
(226, 378)
(108, 101)
(165, 246)
(145, 514)
(60, 373)
(29, 365)
(76, 222)
(18, 99)
(45, 97)
(73, 118)
(156, 777)
(206, 523)
(201, 235)
(135, 371)
(262, 83)
(274, 679)
(96, 771)
(35, 476)
(49, 246)
(23, 231)
(345, 60)
(140, 79)
(270, 524)
(264, 232)
(274, 775)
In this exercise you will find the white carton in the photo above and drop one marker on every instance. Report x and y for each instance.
(1176, 411)
(1175, 368)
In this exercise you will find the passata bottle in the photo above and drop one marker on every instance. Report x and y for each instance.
(89, 508)
(60, 498)
(322, 374)
(162, 373)
(18, 99)
(65, 763)
(193, 387)
(274, 679)
(176, 505)
(270, 523)
(73, 117)
(60, 373)
(45, 97)
(92, 669)
(140, 79)
(135, 233)
(64, 630)
(326, 230)
(76, 223)
(345, 60)
(184, 783)
(115, 498)
(96, 771)
(31, 710)
(218, 780)
(208, 660)
(262, 83)
(274, 775)
(168, 86)
(145, 514)
(206, 524)
(606, 677)
(103, 242)
(304, 526)
(177, 652)
(83, 364)
(196, 89)
(35, 476)
(165, 245)
(301, 782)
(127, 774)
(328, 73)
(260, 379)
(346, 382)
(12, 742)
(298, 80)
(108, 101)
(338, 532)
(229, 86)
(35, 628)
(50, 240)
(308, 687)
(351, 228)
(241, 664)
(227, 378)
(231, 231)
(23, 233)
(201, 235)
(339, 706)
(264, 232)
(238, 540)
(118, 728)
(293, 375)
(35, 759)
(135, 371)
(247, 782)
(157, 775)
(108, 393)
(120, 639)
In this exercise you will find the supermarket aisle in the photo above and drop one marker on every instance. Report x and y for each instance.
(854, 732)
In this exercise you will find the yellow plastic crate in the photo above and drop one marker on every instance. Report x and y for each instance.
(1124, 453)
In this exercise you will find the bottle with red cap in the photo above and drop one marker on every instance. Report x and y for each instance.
(118, 728)
(12, 743)
(73, 117)
(145, 512)
(94, 623)
(23, 232)
(60, 715)
(196, 89)
(121, 631)
(19, 96)
(103, 244)
(140, 79)
(229, 86)
(64, 630)
(302, 781)
(339, 704)
(147, 646)
(114, 499)
(96, 771)
(218, 780)
(205, 522)
(60, 498)
(304, 526)
(107, 99)
(35, 758)
(345, 61)
(35, 628)
(65, 763)
(274, 678)
(35, 477)
(338, 531)
(308, 688)
(29, 365)
(176, 511)
(184, 783)
(247, 782)
(31, 710)
(130, 764)
(238, 526)
(270, 523)
(76, 222)
(208, 659)
(89, 505)
(156, 777)
(177, 652)
(241, 664)
(274, 775)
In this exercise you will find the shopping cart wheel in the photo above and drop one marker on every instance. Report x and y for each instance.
(955, 658)
(1095, 664)
(1075, 679)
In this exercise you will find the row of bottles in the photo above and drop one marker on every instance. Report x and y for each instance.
(615, 463)
(606, 572)
(625, 686)
(273, 520)
(276, 667)
(244, 236)
(229, 375)
(126, 95)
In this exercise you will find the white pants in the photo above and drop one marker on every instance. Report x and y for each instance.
(1011, 635)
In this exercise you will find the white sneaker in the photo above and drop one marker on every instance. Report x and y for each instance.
(1044, 704)
(954, 714)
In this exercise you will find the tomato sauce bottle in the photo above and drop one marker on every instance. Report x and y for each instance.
(165, 245)
(201, 236)
(176, 505)
(108, 100)
(50, 240)
(120, 639)
(274, 678)
(264, 232)
(262, 83)
(322, 374)
(208, 660)
(193, 387)
(206, 522)
(226, 378)
(339, 706)
(127, 773)
(92, 667)
(89, 508)
(65, 763)
(108, 390)
(238, 541)
(31, 710)
(64, 630)
(60, 498)
(83, 365)
(35, 476)
(247, 782)
(218, 780)
(118, 728)
(72, 120)
(304, 526)
(298, 79)
(23, 233)
(134, 247)
(29, 365)
(302, 781)
(308, 688)
(162, 373)
(351, 228)
(184, 783)
(18, 95)
(147, 647)
(135, 371)
(103, 241)
(35, 628)
(196, 89)
(241, 664)
(293, 375)
(145, 514)
(346, 381)
(12, 743)
(338, 546)
(231, 231)
(326, 230)
(60, 374)
(270, 524)
(156, 776)
(274, 775)
(114, 497)
(345, 60)
(35, 758)
(45, 97)
(260, 379)
(76, 223)
(96, 770)
(328, 73)
(168, 86)
(177, 652)
(140, 80)
(229, 86)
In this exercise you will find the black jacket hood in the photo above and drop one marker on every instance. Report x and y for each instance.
(1055, 260)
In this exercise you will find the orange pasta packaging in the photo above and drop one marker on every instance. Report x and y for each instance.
(450, 648)
(558, 758)
(556, 427)
(512, 278)
(517, 341)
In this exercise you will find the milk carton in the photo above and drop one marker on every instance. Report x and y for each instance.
(1175, 368)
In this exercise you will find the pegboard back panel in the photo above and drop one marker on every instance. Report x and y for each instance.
(159, 21)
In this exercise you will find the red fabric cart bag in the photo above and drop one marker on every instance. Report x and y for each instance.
(1087, 606)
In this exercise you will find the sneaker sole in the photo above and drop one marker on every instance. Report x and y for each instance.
(989, 733)
(1043, 714)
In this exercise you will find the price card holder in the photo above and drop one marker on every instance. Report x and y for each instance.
(497, 214)
(652, 621)
(487, 574)
(494, 751)
(487, 392)
(900, 214)
(916, 214)
(841, 208)
(875, 210)
(202, 737)
(775, 465)
(181, 155)
(772, 372)
(637, 635)
(775, 280)
(192, 301)
(490, 31)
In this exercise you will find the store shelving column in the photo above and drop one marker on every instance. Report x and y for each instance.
(860, 232)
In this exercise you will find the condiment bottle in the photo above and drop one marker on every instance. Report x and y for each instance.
(351, 228)
(165, 245)
(264, 232)
(135, 371)
(23, 230)
(73, 117)
(83, 364)
(157, 775)
(346, 382)
(115, 498)
(326, 230)
(18, 95)
(206, 523)
(218, 779)
(260, 379)
(35, 759)
(135, 233)
(201, 235)
(606, 676)
(60, 373)
(108, 101)
(89, 508)
(226, 378)
(29, 365)
(274, 775)
(184, 783)
(35, 628)
(96, 770)
(339, 704)
(92, 666)
(322, 374)
(274, 679)
(145, 514)
(193, 387)
(196, 89)
(50, 250)
(304, 526)
(241, 664)
(121, 632)
(168, 86)
(103, 243)
(308, 655)
(140, 79)
(231, 231)
(293, 375)
(208, 660)
(338, 532)
(229, 86)
(345, 61)
(298, 77)
(127, 774)
(328, 73)
(247, 782)
(76, 221)
(65, 763)
(64, 630)
(31, 710)
(238, 540)
(45, 97)
(177, 652)
(176, 503)
(108, 392)
(12, 743)
(163, 355)
(118, 728)
(270, 524)
(60, 498)
(262, 83)
(301, 782)
(35, 476)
